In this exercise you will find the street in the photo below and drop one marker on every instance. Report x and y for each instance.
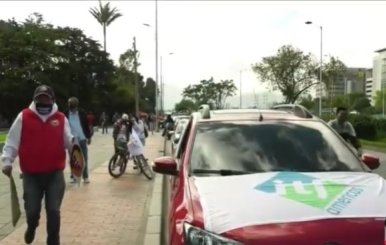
(106, 211)
(382, 156)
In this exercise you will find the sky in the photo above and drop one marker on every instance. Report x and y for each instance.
(221, 38)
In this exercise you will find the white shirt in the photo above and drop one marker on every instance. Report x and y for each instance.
(11, 147)
(139, 128)
(135, 146)
(346, 127)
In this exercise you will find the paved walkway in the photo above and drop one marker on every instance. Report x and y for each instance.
(106, 211)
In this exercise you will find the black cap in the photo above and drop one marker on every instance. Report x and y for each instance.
(44, 89)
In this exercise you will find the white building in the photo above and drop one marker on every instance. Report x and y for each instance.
(379, 73)
(369, 84)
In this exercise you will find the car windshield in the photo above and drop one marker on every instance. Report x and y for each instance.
(305, 146)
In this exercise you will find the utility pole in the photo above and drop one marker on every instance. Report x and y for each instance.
(161, 88)
(156, 67)
(136, 78)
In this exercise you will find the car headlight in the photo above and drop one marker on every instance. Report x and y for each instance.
(197, 236)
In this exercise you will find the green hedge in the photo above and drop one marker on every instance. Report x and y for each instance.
(366, 126)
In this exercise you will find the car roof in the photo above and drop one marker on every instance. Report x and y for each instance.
(288, 112)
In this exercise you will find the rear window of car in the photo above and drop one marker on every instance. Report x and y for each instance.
(306, 146)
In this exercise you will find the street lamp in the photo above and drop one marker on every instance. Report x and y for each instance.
(321, 65)
(156, 64)
(127, 65)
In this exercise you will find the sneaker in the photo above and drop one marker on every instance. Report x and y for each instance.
(86, 181)
(29, 235)
(72, 180)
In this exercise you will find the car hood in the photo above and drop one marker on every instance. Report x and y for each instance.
(238, 204)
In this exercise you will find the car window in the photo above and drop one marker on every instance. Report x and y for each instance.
(180, 149)
(307, 146)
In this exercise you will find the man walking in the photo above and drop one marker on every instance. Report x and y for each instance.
(103, 122)
(39, 135)
(77, 118)
(343, 127)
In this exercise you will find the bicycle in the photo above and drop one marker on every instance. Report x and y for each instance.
(144, 167)
(120, 159)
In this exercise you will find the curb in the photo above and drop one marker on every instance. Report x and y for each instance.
(153, 227)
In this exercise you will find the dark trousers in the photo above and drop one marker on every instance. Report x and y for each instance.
(105, 128)
(51, 186)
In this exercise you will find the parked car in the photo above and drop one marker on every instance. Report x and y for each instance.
(279, 176)
(180, 126)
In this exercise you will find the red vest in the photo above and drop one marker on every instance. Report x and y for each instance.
(42, 143)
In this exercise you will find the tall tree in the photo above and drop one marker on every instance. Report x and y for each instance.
(308, 102)
(34, 52)
(290, 71)
(105, 15)
(185, 105)
(380, 100)
(333, 71)
(210, 92)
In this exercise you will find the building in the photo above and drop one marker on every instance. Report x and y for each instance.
(354, 82)
(379, 73)
(369, 84)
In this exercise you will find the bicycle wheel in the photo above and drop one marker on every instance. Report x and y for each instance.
(144, 167)
(117, 165)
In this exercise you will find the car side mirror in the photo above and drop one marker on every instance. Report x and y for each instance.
(165, 165)
(371, 161)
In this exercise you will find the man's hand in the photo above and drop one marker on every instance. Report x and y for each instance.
(89, 141)
(7, 170)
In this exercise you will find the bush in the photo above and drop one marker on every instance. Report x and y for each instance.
(365, 126)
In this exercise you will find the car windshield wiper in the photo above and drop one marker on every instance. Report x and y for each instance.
(220, 171)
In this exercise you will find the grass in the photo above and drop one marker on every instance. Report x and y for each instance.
(3, 135)
(380, 143)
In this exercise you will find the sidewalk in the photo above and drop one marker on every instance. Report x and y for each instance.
(99, 151)
(106, 211)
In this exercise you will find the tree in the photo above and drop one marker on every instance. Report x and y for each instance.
(124, 97)
(354, 101)
(127, 59)
(333, 71)
(185, 105)
(33, 53)
(290, 71)
(105, 16)
(308, 102)
(210, 92)
(380, 100)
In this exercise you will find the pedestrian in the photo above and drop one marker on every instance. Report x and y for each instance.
(343, 127)
(39, 136)
(81, 131)
(103, 122)
(116, 117)
(151, 123)
(91, 121)
(140, 128)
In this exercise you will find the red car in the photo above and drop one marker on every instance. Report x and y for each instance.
(269, 177)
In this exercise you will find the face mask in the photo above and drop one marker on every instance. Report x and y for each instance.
(44, 109)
